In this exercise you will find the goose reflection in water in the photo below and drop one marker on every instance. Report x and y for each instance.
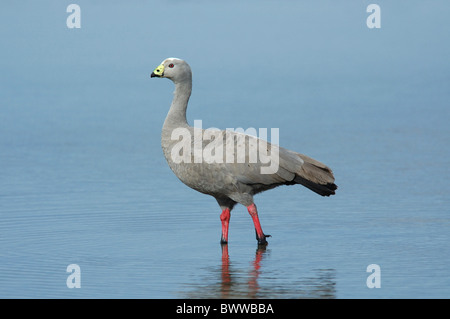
(230, 282)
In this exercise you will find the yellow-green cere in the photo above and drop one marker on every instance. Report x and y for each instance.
(159, 70)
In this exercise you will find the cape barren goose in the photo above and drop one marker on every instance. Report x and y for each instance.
(201, 158)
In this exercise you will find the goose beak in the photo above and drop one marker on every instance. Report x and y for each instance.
(158, 72)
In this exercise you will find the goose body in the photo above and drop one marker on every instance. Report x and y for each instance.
(235, 181)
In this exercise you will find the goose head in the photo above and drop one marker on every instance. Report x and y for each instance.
(174, 69)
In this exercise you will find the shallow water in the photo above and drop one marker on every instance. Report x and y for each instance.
(83, 179)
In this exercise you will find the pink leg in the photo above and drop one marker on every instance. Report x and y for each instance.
(260, 237)
(225, 218)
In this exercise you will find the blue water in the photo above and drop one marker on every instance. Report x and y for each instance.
(83, 179)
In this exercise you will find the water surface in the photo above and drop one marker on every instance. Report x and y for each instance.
(83, 179)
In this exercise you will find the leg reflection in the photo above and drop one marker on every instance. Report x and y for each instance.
(253, 286)
(226, 277)
(228, 287)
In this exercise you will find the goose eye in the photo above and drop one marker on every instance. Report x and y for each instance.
(171, 65)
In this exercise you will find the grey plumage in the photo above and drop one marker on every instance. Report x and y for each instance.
(231, 183)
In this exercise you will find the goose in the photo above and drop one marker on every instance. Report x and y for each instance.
(229, 181)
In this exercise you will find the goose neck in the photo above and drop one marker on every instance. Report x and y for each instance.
(177, 112)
